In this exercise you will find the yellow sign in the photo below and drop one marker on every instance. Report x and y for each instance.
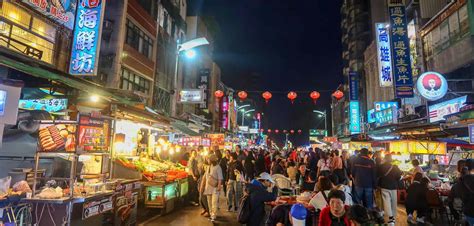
(418, 147)
(356, 145)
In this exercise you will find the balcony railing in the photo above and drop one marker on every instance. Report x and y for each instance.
(20, 47)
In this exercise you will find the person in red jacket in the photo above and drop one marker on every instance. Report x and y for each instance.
(336, 213)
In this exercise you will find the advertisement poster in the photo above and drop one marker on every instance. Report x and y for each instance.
(401, 50)
(217, 139)
(61, 11)
(438, 111)
(58, 137)
(49, 105)
(354, 125)
(93, 134)
(87, 37)
(93, 208)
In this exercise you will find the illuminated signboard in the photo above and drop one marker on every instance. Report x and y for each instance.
(191, 96)
(386, 117)
(203, 83)
(353, 86)
(401, 50)
(384, 54)
(438, 111)
(380, 106)
(432, 86)
(61, 11)
(371, 116)
(49, 105)
(87, 36)
(354, 125)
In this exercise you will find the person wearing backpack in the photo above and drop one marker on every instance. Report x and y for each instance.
(467, 192)
(389, 176)
(257, 196)
(213, 187)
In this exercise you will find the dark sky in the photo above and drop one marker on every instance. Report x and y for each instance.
(284, 45)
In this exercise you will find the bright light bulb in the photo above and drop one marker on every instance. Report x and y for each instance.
(190, 54)
(158, 149)
(178, 149)
(94, 98)
(165, 147)
(161, 141)
(171, 151)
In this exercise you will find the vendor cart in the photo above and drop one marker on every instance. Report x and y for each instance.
(163, 195)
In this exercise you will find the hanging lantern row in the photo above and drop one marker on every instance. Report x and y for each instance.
(314, 95)
(276, 131)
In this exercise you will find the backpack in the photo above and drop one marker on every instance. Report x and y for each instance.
(243, 215)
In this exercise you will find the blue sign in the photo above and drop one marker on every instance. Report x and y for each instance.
(353, 86)
(380, 106)
(384, 54)
(61, 11)
(437, 112)
(471, 133)
(354, 125)
(87, 36)
(401, 50)
(49, 105)
(371, 116)
(386, 117)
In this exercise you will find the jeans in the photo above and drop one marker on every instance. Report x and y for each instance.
(470, 220)
(389, 198)
(213, 202)
(365, 196)
(231, 195)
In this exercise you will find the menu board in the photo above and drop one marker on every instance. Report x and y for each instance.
(93, 134)
(57, 137)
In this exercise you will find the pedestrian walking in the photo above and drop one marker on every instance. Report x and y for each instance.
(324, 165)
(249, 166)
(337, 169)
(234, 188)
(364, 176)
(214, 178)
(193, 172)
(389, 176)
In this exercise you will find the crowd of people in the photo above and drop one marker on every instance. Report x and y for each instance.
(342, 189)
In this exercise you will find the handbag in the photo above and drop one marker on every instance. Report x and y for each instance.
(213, 182)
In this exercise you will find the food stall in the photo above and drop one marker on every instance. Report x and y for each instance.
(143, 153)
(77, 191)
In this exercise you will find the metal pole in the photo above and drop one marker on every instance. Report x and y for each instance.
(243, 117)
(175, 83)
(325, 123)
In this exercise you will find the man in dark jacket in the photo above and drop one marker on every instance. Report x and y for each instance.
(364, 176)
(234, 187)
(257, 190)
(467, 192)
(389, 175)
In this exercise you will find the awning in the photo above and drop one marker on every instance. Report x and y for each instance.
(144, 116)
(74, 82)
(183, 127)
(453, 143)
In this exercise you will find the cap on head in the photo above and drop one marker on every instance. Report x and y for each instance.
(298, 214)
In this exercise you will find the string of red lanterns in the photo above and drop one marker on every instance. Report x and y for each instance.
(292, 95)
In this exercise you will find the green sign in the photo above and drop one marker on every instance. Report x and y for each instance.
(317, 132)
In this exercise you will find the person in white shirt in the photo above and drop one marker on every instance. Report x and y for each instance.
(324, 165)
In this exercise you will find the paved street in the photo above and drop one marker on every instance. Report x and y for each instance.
(190, 216)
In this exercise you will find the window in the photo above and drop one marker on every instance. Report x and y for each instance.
(149, 6)
(453, 25)
(165, 21)
(138, 40)
(133, 82)
(463, 20)
(444, 34)
(26, 34)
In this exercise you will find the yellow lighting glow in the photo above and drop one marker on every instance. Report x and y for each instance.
(171, 151)
(94, 98)
(178, 149)
(164, 147)
(13, 15)
(161, 141)
(158, 149)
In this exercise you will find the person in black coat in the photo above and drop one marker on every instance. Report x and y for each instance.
(249, 166)
(416, 198)
(257, 190)
(260, 162)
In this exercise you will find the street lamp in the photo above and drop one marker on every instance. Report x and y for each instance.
(188, 48)
(320, 115)
(244, 112)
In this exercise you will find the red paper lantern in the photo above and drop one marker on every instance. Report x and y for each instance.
(338, 94)
(261, 130)
(292, 96)
(219, 94)
(314, 96)
(299, 131)
(277, 131)
(269, 130)
(267, 96)
(242, 95)
(292, 131)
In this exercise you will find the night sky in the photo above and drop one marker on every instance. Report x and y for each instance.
(280, 46)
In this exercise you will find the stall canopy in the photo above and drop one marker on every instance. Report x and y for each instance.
(453, 143)
(418, 147)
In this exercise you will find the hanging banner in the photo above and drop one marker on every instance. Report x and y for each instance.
(353, 86)
(203, 84)
(384, 54)
(354, 125)
(87, 36)
(401, 50)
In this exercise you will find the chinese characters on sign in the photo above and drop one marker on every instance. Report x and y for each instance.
(62, 11)
(354, 86)
(380, 106)
(401, 50)
(384, 54)
(191, 96)
(203, 83)
(49, 105)
(354, 125)
(87, 33)
(386, 116)
(440, 110)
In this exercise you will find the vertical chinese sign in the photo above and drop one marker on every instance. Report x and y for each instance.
(401, 50)
(384, 54)
(87, 36)
(203, 83)
(354, 125)
(353, 86)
